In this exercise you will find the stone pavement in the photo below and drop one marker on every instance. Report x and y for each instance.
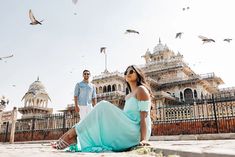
(210, 145)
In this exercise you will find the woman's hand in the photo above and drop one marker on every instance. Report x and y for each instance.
(144, 143)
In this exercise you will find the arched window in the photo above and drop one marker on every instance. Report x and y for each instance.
(100, 89)
(181, 96)
(109, 88)
(114, 87)
(195, 94)
(188, 95)
(104, 89)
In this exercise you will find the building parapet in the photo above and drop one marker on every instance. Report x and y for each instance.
(178, 79)
(227, 89)
(153, 66)
(118, 93)
(105, 75)
(207, 75)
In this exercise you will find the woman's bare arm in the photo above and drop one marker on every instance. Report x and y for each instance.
(143, 95)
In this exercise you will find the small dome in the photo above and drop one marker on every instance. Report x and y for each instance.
(160, 47)
(36, 86)
(36, 89)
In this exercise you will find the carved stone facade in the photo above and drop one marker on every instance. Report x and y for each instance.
(172, 80)
(110, 87)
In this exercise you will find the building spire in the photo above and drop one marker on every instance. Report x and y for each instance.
(38, 78)
(159, 40)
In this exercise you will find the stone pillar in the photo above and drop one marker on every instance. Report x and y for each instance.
(13, 122)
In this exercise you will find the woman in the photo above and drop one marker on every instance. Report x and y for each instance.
(108, 128)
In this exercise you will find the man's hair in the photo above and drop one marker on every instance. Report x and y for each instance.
(85, 71)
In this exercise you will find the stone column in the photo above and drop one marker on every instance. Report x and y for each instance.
(13, 122)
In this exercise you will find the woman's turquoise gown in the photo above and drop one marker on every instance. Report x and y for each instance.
(108, 128)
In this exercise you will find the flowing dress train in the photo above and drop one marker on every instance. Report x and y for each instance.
(108, 128)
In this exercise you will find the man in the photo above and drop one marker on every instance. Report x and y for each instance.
(84, 96)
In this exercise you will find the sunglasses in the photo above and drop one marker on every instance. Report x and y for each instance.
(86, 73)
(129, 72)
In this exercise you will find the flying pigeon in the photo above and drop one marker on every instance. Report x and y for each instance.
(4, 101)
(32, 19)
(228, 40)
(178, 35)
(102, 49)
(205, 39)
(131, 31)
(185, 8)
(1, 58)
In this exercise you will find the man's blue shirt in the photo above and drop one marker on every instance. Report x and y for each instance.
(85, 93)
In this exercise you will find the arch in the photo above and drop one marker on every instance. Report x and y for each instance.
(181, 96)
(100, 89)
(114, 87)
(195, 94)
(109, 88)
(188, 95)
(104, 89)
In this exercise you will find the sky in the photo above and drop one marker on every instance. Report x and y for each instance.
(70, 37)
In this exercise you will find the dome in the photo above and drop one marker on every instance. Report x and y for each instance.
(36, 89)
(36, 86)
(160, 47)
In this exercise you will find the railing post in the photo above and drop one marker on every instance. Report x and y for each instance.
(215, 114)
(13, 122)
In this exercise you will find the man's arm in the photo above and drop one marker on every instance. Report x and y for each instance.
(77, 109)
(94, 99)
(76, 94)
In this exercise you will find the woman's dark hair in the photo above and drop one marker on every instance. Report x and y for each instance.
(141, 79)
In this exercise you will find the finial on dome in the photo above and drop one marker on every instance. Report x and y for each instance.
(159, 40)
(38, 78)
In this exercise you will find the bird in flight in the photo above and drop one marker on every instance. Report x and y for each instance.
(228, 40)
(185, 8)
(131, 31)
(3, 101)
(33, 19)
(102, 49)
(178, 35)
(205, 39)
(1, 58)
